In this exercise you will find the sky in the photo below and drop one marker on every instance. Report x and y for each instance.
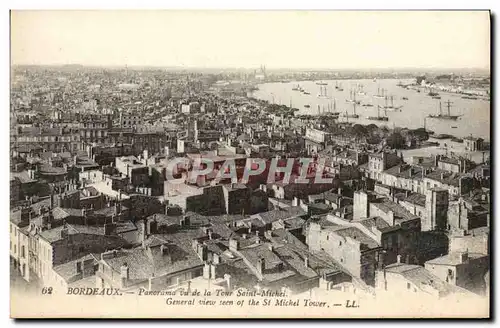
(247, 39)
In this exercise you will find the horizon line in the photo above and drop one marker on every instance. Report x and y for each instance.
(125, 66)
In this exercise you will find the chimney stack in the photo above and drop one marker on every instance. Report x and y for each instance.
(227, 278)
(464, 257)
(261, 266)
(399, 258)
(306, 261)
(124, 274)
(64, 232)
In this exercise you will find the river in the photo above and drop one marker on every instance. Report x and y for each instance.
(474, 119)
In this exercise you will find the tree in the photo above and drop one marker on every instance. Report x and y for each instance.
(360, 130)
(420, 134)
(395, 140)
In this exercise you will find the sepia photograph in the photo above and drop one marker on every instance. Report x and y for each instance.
(250, 164)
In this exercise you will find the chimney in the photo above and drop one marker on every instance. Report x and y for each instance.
(442, 175)
(203, 252)
(227, 278)
(295, 201)
(64, 232)
(206, 271)
(464, 257)
(339, 191)
(118, 208)
(399, 258)
(261, 266)
(209, 233)
(436, 160)
(194, 244)
(186, 221)
(124, 274)
(381, 259)
(234, 244)
(306, 261)
(163, 249)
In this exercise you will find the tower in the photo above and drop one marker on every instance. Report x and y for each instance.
(436, 210)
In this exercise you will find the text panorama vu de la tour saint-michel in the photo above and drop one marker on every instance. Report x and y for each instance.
(205, 297)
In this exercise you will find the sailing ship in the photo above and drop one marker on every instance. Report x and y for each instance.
(307, 106)
(338, 86)
(353, 115)
(332, 108)
(380, 93)
(297, 88)
(447, 116)
(322, 93)
(306, 93)
(433, 94)
(469, 97)
(391, 105)
(321, 83)
(367, 105)
(352, 99)
(360, 90)
(378, 117)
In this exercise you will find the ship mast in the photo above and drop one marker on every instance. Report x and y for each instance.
(448, 105)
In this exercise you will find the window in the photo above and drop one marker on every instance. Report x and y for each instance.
(408, 285)
(15, 249)
(340, 243)
(11, 228)
(78, 267)
(450, 273)
(327, 237)
(22, 252)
